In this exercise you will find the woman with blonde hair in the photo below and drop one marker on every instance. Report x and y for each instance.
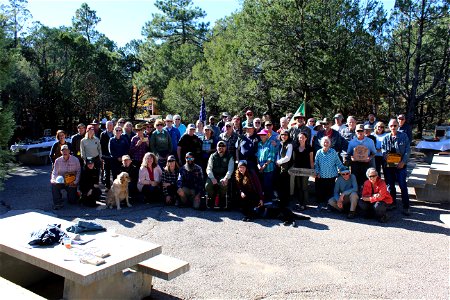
(91, 148)
(149, 177)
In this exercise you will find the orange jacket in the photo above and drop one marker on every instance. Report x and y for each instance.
(378, 192)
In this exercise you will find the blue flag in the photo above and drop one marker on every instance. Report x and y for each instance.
(202, 116)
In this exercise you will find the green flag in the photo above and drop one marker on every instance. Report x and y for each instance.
(301, 109)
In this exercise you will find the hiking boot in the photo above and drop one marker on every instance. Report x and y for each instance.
(351, 215)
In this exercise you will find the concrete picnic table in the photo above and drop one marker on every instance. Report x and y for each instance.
(436, 187)
(24, 264)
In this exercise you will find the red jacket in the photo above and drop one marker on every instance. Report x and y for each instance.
(379, 191)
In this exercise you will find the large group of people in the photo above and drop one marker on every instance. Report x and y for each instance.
(235, 164)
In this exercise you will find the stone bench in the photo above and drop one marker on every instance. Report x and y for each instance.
(11, 290)
(419, 176)
(163, 266)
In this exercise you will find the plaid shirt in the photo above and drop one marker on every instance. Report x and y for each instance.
(192, 179)
(137, 152)
(168, 177)
(62, 166)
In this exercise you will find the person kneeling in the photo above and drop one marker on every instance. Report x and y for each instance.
(190, 182)
(375, 196)
(90, 191)
(150, 177)
(345, 192)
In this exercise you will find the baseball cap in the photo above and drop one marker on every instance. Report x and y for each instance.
(359, 127)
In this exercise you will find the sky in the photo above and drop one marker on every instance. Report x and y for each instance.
(122, 20)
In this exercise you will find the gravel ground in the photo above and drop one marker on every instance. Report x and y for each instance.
(326, 257)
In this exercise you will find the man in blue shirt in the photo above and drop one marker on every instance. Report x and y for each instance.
(397, 143)
(360, 164)
(345, 192)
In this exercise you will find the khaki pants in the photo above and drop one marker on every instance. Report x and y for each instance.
(352, 199)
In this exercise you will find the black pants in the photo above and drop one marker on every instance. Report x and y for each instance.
(284, 187)
(324, 189)
(92, 199)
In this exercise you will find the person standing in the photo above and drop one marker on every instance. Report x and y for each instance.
(161, 143)
(303, 158)
(140, 145)
(90, 148)
(178, 125)
(379, 135)
(283, 163)
(360, 164)
(55, 151)
(76, 141)
(266, 155)
(326, 165)
(404, 127)
(173, 132)
(189, 142)
(105, 136)
(118, 146)
(396, 150)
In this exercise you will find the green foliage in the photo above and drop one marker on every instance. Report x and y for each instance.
(6, 132)
(85, 21)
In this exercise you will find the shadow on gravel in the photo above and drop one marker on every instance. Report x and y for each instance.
(158, 295)
(422, 214)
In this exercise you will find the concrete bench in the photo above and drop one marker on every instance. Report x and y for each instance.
(419, 176)
(11, 290)
(163, 266)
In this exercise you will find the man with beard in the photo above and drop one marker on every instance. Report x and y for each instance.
(190, 182)
(300, 126)
(219, 171)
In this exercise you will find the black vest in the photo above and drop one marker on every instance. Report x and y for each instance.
(285, 167)
(220, 165)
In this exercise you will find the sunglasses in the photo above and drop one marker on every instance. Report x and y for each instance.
(372, 176)
(257, 122)
(228, 125)
(269, 124)
(189, 158)
(118, 130)
(171, 160)
(177, 119)
(284, 134)
(345, 174)
(159, 125)
(393, 125)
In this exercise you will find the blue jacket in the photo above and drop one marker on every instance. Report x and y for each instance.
(398, 145)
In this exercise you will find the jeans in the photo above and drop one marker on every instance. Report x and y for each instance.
(72, 196)
(399, 175)
(267, 181)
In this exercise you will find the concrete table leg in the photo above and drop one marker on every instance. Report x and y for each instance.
(127, 284)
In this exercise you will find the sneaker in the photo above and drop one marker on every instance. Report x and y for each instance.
(351, 215)
(406, 212)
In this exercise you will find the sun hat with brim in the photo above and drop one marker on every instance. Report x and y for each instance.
(359, 127)
(263, 132)
(191, 126)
